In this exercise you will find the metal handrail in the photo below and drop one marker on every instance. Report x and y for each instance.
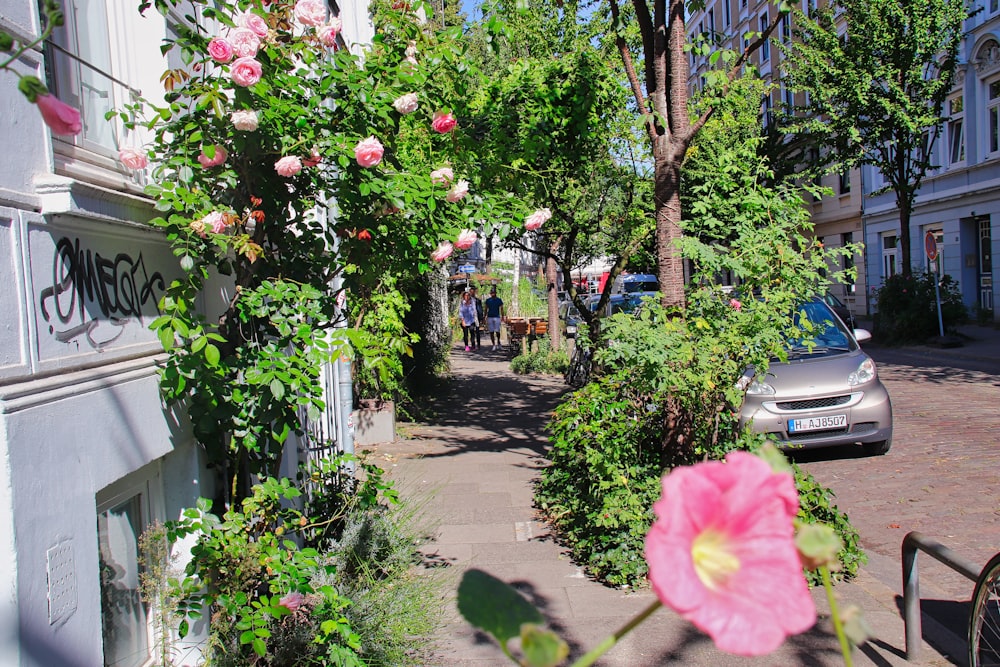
(912, 543)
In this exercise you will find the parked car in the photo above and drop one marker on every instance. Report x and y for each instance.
(632, 283)
(617, 303)
(843, 312)
(825, 394)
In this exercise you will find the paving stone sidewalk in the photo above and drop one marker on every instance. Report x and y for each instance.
(474, 468)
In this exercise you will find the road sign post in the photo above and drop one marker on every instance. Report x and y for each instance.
(930, 247)
(467, 268)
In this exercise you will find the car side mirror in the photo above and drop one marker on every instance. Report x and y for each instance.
(861, 335)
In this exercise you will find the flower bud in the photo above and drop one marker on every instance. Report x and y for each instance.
(6, 41)
(31, 87)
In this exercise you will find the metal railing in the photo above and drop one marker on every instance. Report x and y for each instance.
(912, 543)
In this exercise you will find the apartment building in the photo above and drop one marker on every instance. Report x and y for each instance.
(89, 453)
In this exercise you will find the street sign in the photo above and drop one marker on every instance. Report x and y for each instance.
(930, 246)
(467, 268)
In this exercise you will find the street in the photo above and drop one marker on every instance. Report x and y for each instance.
(942, 476)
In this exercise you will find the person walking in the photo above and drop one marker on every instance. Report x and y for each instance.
(469, 318)
(480, 319)
(494, 315)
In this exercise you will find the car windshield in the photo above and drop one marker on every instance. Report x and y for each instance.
(828, 334)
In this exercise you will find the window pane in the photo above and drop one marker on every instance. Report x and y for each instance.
(994, 129)
(956, 140)
(123, 614)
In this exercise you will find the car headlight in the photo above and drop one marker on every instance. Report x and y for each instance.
(758, 388)
(866, 373)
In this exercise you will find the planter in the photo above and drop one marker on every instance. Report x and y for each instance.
(374, 422)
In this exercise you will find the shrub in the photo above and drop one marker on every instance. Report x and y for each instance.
(541, 359)
(816, 506)
(907, 309)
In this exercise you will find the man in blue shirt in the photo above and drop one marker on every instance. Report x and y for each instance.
(494, 314)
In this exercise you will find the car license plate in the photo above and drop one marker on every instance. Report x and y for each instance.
(817, 423)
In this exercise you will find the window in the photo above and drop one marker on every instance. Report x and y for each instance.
(847, 239)
(727, 14)
(124, 618)
(994, 6)
(809, 7)
(786, 28)
(844, 181)
(889, 267)
(765, 48)
(711, 25)
(767, 112)
(993, 111)
(956, 130)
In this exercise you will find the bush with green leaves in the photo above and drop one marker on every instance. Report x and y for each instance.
(541, 358)
(907, 308)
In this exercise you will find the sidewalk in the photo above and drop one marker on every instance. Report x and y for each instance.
(475, 465)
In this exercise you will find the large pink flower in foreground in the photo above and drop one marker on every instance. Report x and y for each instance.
(722, 554)
(245, 72)
(442, 252)
(61, 118)
(368, 152)
(310, 12)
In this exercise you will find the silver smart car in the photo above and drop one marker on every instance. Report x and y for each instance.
(824, 395)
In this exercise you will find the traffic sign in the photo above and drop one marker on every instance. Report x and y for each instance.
(930, 246)
(467, 268)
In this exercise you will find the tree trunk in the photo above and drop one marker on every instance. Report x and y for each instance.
(905, 207)
(552, 292)
(668, 223)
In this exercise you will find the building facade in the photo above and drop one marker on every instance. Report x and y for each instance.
(89, 453)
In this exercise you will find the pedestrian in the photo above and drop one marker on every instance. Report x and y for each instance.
(480, 318)
(494, 315)
(468, 317)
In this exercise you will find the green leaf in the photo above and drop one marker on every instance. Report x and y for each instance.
(212, 355)
(277, 389)
(542, 648)
(493, 606)
(259, 647)
(166, 336)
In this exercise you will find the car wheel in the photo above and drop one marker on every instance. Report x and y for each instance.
(877, 448)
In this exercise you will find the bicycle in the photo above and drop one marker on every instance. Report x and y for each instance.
(984, 621)
(579, 367)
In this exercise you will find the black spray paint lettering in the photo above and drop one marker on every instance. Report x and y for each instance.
(82, 279)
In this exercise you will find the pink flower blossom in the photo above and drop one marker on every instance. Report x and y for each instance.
(208, 162)
(442, 252)
(216, 222)
(245, 42)
(443, 122)
(369, 152)
(442, 176)
(292, 601)
(313, 160)
(245, 72)
(721, 553)
(252, 21)
(537, 219)
(406, 103)
(61, 118)
(466, 239)
(735, 304)
(245, 121)
(458, 191)
(132, 158)
(288, 166)
(221, 50)
(310, 12)
(328, 33)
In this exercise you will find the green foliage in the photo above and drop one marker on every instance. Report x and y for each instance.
(379, 316)
(816, 506)
(529, 302)
(907, 309)
(540, 359)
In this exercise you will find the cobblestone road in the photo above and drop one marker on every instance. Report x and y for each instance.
(942, 476)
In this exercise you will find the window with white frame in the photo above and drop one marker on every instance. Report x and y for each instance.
(889, 260)
(123, 513)
(765, 48)
(956, 129)
(727, 14)
(809, 7)
(994, 6)
(993, 112)
(844, 181)
(786, 27)
(711, 25)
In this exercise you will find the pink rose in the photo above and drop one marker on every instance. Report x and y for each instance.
(313, 160)
(443, 122)
(220, 157)
(466, 239)
(292, 601)
(220, 50)
(722, 553)
(215, 221)
(310, 12)
(735, 304)
(132, 158)
(458, 191)
(328, 33)
(537, 219)
(61, 118)
(245, 121)
(250, 20)
(245, 72)
(288, 166)
(442, 176)
(405, 104)
(369, 152)
(442, 252)
(245, 42)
